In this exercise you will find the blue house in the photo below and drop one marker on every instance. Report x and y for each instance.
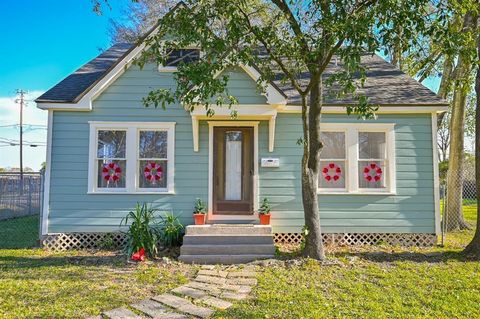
(107, 151)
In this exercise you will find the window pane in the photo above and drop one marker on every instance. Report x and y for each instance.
(332, 174)
(333, 145)
(371, 145)
(371, 174)
(111, 174)
(153, 144)
(111, 144)
(153, 174)
(175, 56)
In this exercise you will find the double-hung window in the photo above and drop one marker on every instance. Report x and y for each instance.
(357, 159)
(131, 157)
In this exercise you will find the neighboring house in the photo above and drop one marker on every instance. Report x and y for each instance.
(107, 151)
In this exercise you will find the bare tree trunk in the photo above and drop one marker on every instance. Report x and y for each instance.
(473, 248)
(445, 83)
(455, 164)
(454, 213)
(312, 146)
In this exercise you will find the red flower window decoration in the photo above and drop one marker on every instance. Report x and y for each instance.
(332, 172)
(372, 172)
(111, 172)
(153, 172)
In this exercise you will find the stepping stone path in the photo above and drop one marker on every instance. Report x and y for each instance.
(213, 288)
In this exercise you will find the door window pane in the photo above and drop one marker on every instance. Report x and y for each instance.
(233, 165)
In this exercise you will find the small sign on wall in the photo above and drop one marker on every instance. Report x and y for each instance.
(270, 162)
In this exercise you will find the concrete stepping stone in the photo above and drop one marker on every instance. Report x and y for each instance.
(216, 302)
(156, 310)
(121, 313)
(237, 288)
(183, 305)
(244, 274)
(208, 267)
(233, 296)
(215, 273)
(210, 279)
(241, 281)
(190, 292)
(210, 288)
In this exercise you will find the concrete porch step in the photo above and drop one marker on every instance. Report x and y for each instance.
(227, 239)
(221, 259)
(228, 229)
(228, 249)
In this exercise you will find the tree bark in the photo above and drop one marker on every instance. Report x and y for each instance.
(454, 213)
(445, 82)
(311, 116)
(473, 248)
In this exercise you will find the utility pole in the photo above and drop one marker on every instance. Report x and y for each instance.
(21, 100)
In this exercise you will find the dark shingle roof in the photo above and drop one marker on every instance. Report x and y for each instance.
(385, 84)
(74, 86)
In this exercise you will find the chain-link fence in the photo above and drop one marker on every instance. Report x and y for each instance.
(458, 200)
(20, 205)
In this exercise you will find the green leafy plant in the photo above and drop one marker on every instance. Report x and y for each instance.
(171, 231)
(200, 207)
(143, 232)
(265, 207)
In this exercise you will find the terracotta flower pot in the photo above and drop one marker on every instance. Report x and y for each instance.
(264, 219)
(199, 219)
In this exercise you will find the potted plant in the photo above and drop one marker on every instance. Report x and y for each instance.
(199, 212)
(264, 212)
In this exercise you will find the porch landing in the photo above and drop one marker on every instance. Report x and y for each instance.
(226, 243)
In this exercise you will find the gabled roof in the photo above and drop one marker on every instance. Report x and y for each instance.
(385, 85)
(74, 86)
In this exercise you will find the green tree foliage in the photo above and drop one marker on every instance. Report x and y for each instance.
(287, 40)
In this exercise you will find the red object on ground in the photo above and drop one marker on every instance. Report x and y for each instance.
(199, 219)
(139, 255)
(264, 219)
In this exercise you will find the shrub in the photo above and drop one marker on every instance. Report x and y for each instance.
(171, 230)
(143, 231)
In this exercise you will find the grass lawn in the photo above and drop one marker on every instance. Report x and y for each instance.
(372, 282)
(365, 282)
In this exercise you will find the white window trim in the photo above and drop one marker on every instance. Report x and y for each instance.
(132, 159)
(351, 139)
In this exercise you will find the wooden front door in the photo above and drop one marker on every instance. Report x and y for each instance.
(233, 171)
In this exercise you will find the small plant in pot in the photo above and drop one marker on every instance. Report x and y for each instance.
(264, 212)
(200, 212)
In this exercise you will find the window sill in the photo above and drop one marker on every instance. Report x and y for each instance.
(130, 193)
(386, 193)
(167, 68)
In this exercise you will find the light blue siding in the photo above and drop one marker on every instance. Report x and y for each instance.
(411, 210)
(73, 210)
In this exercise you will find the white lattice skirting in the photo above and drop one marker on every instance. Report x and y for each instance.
(359, 239)
(61, 242)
